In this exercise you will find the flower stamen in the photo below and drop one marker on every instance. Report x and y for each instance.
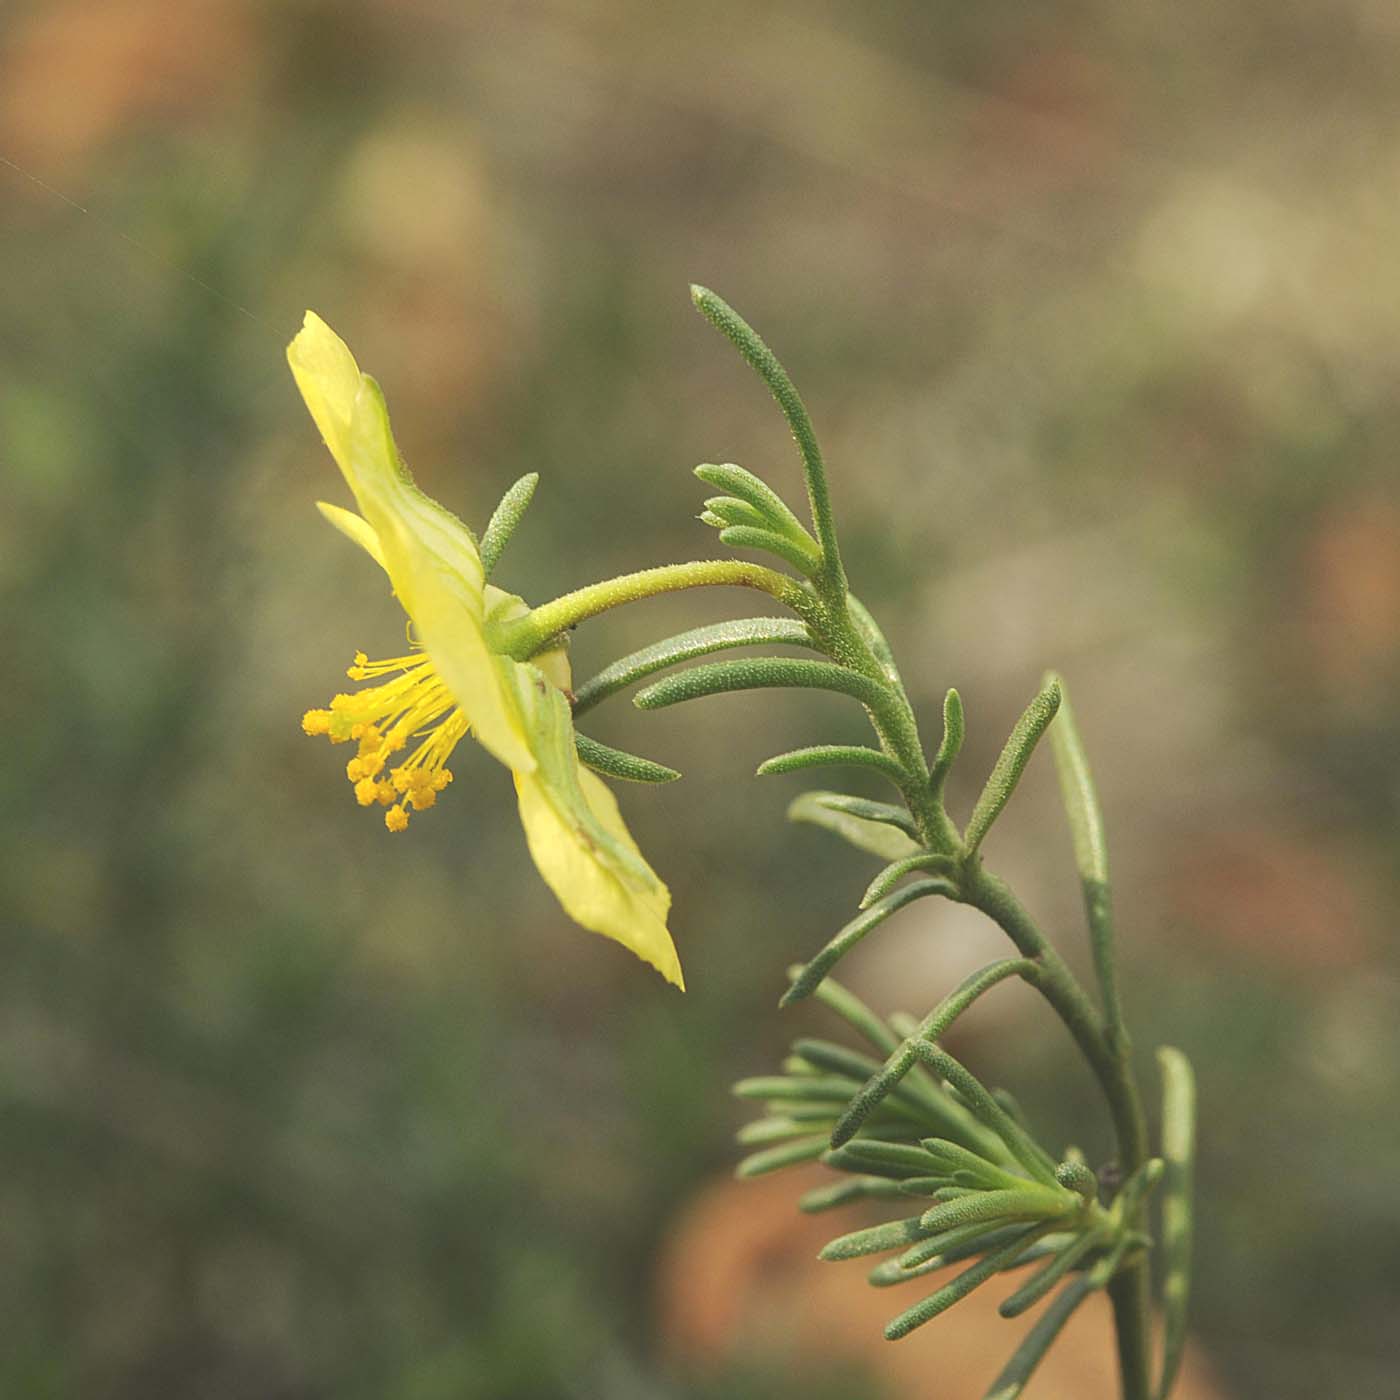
(413, 703)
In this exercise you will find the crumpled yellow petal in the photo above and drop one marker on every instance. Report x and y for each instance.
(430, 556)
(592, 893)
(579, 842)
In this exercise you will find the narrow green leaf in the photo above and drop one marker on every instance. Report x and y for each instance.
(960, 1287)
(842, 1193)
(875, 1239)
(1030, 1203)
(1024, 1148)
(700, 641)
(873, 837)
(752, 537)
(709, 518)
(749, 344)
(864, 923)
(505, 518)
(931, 1028)
(893, 873)
(867, 811)
(953, 1157)
(1179, 1150)
(1014, 1375)
(954, 728)
(766, 1130)
(832, 755)
(874, 637)
(875, 1154)
(1012, 763)
(730, 510)
(773, 1159)
(758, 673)
(756, 492)
(961, 1242)
(852, 1009)
(1045, 1278)
(1086, 825)
(617, 763)
(772, 1086)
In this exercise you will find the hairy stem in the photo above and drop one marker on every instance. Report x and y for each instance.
(522, 637)
(1109, 1058)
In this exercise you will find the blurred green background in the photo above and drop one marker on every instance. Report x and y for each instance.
(1097, 309)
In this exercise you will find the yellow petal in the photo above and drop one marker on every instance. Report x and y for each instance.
(590, 891)
(354, 527)
(431, 557)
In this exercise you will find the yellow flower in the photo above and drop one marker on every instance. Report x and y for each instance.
(452, 680)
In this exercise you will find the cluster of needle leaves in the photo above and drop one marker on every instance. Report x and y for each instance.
(900, 1119)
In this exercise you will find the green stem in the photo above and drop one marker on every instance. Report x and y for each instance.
(1109, 1058)
(755, 350)
(523, 637)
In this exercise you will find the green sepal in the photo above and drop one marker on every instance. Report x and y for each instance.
(789, 1154)
(700, 641)
(961, 1286)
(829, 756)
(893, 873)
(1011, 764)
(864, 923)
(759, 673)
(1179, 1152)
(617, 763)
(873, 837)
(504, 519)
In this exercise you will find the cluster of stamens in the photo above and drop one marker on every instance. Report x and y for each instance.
(382, 720)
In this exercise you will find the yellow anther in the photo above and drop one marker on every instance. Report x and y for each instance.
(316, 722)
(384, 793)
(355, 770)
(399, 778)
(366, 790)
(422, 798)
(396, 819)
(441, 778)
